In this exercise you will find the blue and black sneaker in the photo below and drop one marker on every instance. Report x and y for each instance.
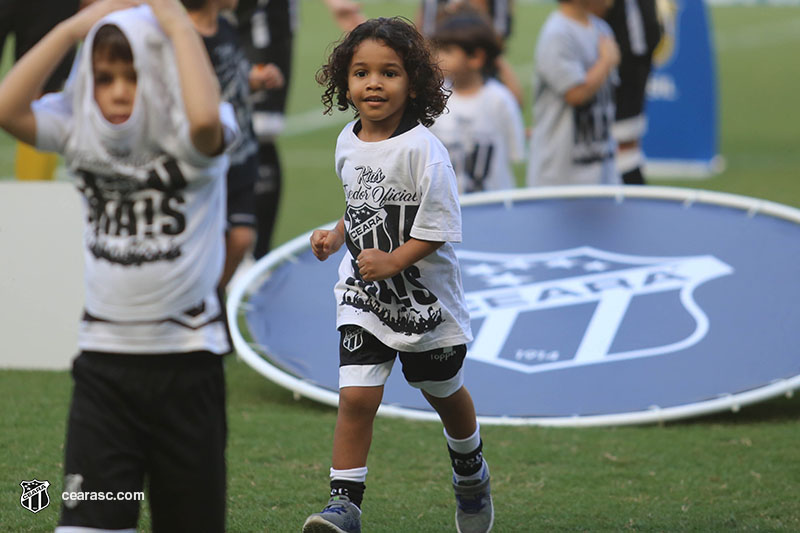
(339, 516)
(474, 510)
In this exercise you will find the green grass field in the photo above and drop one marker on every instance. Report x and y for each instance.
(727, 472)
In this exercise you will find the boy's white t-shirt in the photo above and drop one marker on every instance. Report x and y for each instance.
(400, 188)
(571, 145)
(484, 134)
(154, 208)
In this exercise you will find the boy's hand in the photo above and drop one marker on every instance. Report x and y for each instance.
(324, 243)
(171, 15)
(375, 265)
(267, 76)
(83, 20)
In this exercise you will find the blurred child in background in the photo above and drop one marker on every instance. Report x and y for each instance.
(576, 60)
(482, 127)
(233, 71)
(500, 16)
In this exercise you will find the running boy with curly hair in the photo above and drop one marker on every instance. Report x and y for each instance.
(399, 288)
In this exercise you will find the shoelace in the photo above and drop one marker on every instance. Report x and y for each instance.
(335, 508)
(471, 505)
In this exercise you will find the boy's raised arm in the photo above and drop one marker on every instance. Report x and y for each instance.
(24, 83)
(199, 85)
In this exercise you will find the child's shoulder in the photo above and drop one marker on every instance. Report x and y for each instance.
(496, 90)
(601, 25)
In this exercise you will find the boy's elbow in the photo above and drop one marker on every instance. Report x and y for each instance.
(21, 126)
(207, 136)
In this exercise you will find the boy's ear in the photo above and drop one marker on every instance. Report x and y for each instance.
(477, 59)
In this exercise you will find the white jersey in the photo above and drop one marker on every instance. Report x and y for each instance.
(483, 133)
(396, 189)
(154, 206)
(571, 145)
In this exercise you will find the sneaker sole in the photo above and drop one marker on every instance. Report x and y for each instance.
(316, 524)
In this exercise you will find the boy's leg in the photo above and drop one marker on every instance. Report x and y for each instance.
(354, 421)
(241, 216)
(457, 412)
(364, 366)
(187, 442)
(103, 452)
(238, 241)
(439, 375)
(267, 196)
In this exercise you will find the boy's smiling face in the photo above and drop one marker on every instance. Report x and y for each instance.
(114, 88)
(378, 85)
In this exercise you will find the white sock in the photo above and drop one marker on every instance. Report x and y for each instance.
(466, 446)
(357, 475)
(470, 444)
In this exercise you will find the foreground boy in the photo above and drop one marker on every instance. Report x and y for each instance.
(142, 131)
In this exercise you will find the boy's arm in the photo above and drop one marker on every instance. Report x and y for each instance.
(25, 81)
(608, 59)
(199, 85)
(375, 265)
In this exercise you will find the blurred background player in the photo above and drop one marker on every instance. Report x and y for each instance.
(266, 29)
(576, 60)
(399, 291)
(482, 128)
(638, 32)
(143, 131)
(233, 72)
(499, 13)
(28, 21)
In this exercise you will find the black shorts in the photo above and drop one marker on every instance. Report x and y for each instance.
(241, 195)
(155, 419)
(364, 361)
(29, 22)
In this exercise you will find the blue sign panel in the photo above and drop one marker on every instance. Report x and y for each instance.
(589, 305)
(681, 102)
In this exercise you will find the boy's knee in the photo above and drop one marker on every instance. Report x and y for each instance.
(360, 401)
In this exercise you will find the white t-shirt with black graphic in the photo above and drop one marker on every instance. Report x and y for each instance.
(396, 189)
(154, 206)
(484, 134)
(571, 145)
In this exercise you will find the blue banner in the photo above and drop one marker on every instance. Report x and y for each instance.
(681, 107)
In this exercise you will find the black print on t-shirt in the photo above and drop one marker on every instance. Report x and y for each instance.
(134, 221)
(477, 164)
(592, 129)
(375, 224)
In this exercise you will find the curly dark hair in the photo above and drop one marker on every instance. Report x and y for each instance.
(398, 33)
